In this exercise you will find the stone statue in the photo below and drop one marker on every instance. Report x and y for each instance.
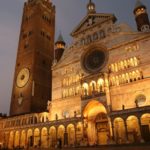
(49, 106)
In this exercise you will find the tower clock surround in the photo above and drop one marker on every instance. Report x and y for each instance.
(23, 77)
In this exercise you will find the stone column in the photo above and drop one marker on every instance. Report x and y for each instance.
(48, 138)
(126, 129)
(65, 137)
(33, 119)
(56, 135)
(32, 137)
(40, 142)
(8, 139)
(19, 138)
(75, 129)
(14, 139)
(26, 139)
(113, 137)
(139, 122)
(5, 139)
(140, 127)
(107, 91)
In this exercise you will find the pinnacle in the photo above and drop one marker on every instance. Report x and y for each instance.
(60, 38)
(138, 4)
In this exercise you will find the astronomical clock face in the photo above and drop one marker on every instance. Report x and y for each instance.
(94, 60)
(23, 77)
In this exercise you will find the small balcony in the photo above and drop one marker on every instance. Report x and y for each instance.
(93, 86)
(94, 94)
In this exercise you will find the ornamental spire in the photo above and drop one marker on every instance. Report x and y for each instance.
(91, 7)
(138, 4)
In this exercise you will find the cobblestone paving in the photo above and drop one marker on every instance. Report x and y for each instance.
(114, 147)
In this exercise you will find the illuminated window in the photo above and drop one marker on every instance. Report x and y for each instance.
(100, 83)
(126, 78)
(133, 47)
(92, 86)
(85, 89)
(124, 64)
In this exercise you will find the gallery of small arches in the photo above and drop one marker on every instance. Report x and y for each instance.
(27, 120)
(132, 129)
(44, 137)
(96, 127)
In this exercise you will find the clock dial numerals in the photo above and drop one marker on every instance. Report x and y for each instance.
(23, 77)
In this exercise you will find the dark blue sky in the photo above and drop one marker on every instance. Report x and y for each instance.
(68, 14)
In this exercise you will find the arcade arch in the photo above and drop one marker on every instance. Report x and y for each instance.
(36, 137)
(16, 139)
(44, 137)
(79, 132)
(145, 127)
(133, 129)
(23, 138)
(60, 134)
(11, 140)
(119, 132)
(71, 134)
(30, 137)
(96, 123)
(52, 137)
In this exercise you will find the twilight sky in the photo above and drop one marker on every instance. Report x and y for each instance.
(68, 14)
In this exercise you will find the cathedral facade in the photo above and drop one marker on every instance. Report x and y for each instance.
(100, 83)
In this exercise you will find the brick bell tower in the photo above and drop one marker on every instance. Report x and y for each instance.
(32, 78)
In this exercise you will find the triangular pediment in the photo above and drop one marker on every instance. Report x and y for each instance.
(92, 20)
